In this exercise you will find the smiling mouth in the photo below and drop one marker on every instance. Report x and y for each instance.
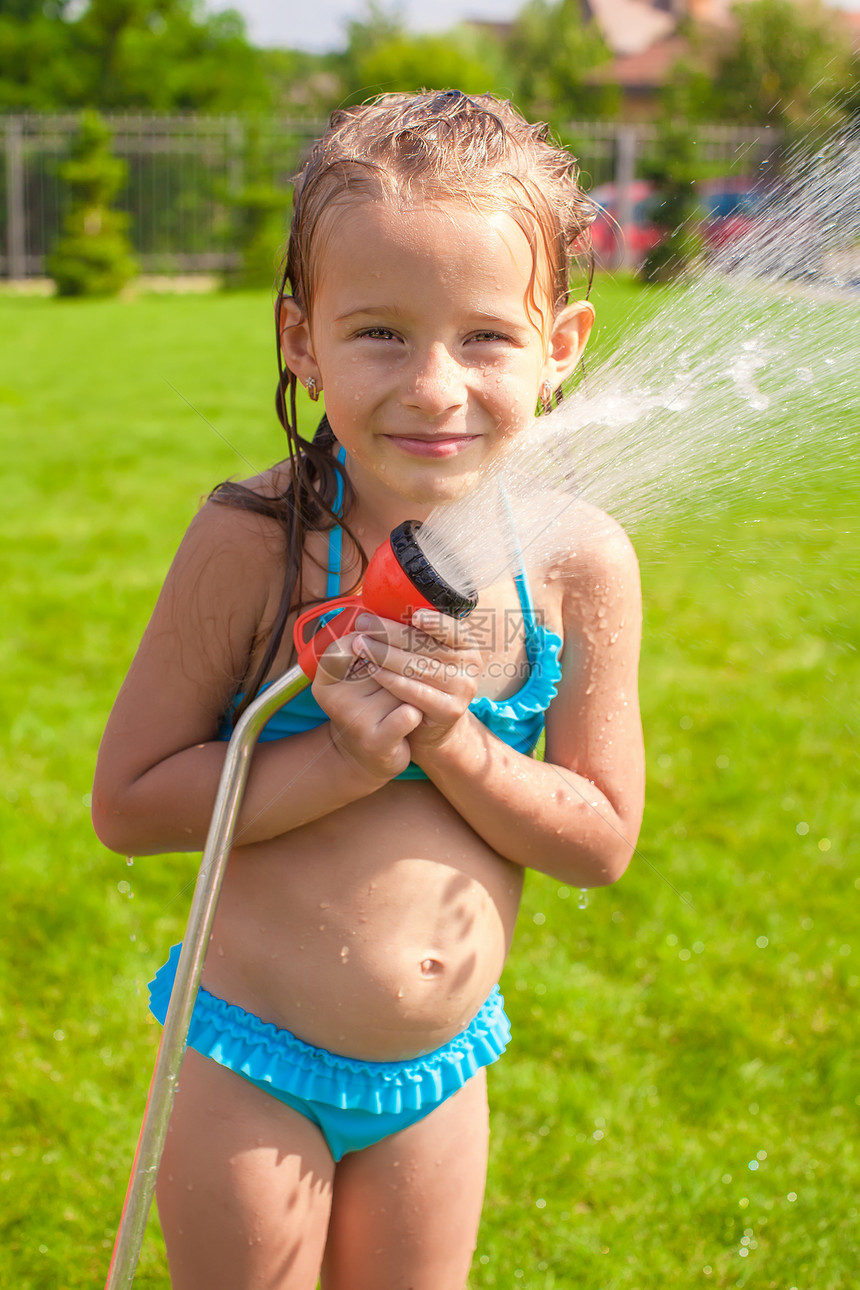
(438, 446)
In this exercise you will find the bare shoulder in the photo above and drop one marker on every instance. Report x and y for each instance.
(195, 652)
(228, 533)
(599, 561)
(267, 484)
(223, 528)
(218, 593)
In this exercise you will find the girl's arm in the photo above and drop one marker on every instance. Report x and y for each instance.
(160, 759)
(577, 814)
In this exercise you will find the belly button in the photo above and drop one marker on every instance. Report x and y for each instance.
(430, 967)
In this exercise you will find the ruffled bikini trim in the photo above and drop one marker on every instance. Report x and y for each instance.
(261, 1051)
(537, 693)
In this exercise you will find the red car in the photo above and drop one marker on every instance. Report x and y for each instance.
(611, 244)
(729, 206)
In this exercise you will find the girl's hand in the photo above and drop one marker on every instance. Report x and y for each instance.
(368, 725)
(431, 665)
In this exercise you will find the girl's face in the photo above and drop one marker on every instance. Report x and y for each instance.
(422, 338)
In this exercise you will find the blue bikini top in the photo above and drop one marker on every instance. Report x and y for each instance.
(518, 721)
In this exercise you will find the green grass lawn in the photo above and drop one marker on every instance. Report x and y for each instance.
(680, 1103)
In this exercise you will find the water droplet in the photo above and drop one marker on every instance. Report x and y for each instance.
(129, 860)
(582, 903)
(344, 952)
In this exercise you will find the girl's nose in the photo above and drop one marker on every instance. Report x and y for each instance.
(435, 383)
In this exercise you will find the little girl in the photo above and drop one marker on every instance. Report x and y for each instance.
(331, 1119)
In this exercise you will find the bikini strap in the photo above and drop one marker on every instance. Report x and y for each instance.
(521, 581)
(335, 538)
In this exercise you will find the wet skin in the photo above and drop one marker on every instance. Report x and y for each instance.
(378, 931)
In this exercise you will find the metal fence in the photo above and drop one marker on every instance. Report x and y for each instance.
(184, 172)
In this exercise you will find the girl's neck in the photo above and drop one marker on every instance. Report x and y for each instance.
(376, 509)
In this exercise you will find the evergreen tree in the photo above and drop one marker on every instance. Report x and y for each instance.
(93, 255)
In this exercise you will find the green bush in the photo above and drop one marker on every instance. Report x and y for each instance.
(93, 255)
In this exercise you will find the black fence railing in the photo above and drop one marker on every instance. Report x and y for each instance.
(185, 171)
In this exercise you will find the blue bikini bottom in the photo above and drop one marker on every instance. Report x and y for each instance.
(353, 1103)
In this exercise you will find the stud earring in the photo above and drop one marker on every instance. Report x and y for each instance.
(311, 387)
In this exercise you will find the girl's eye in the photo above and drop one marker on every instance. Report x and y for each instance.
(377, 333)
(486, 336)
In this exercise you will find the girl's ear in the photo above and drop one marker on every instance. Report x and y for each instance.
(570, 332)
(296, 345)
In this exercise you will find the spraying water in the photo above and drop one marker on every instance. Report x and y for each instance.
(745, 371)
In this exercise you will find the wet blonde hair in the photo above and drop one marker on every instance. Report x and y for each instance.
(442, 146)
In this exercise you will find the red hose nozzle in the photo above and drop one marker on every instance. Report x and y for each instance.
(398, 581)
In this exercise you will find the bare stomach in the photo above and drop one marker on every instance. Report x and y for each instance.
(376, 933)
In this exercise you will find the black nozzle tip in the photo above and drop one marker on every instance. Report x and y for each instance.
(422, 575)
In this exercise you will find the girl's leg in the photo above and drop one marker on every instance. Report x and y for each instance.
(405, 1211)
(244, 1189)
